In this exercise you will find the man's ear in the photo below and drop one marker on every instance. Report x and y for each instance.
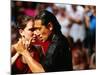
(50, 26)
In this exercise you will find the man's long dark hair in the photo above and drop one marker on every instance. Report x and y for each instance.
(47, 17)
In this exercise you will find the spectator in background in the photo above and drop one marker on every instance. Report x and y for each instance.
(30, 9)
(76, 14)
(53, 8)
(93, 61)
(90, 21)
(17, 9)
(90, 40)
(93, 27)
(87, 38)
(49, 7)
(40, 7)
(79, 57)
(64, 21)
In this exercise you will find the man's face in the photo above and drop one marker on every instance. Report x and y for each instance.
(41, 31)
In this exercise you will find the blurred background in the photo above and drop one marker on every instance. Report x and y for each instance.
(78, 25)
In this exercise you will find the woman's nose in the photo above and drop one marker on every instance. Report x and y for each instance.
(37, 32)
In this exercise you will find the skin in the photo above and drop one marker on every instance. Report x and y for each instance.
(22, 48)
(26, 39)
(43, 34)
(27, 33)
(42, 31)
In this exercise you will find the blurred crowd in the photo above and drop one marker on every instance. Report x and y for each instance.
(78, 25)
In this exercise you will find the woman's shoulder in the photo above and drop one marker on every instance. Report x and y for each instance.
(14, 46)
(13, 49)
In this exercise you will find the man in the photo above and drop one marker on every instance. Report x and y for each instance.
(57, 55)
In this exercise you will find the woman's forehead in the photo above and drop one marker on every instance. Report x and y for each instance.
(30, 24)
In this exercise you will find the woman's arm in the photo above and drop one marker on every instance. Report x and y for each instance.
(13, 59)
(14, 54)
(33, 65)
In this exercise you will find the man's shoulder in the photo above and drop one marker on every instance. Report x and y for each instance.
(59, 41)
(59, 38)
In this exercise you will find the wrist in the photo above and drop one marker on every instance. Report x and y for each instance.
(25, 53)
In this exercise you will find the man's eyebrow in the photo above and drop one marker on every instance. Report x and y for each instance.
(37, 27)
(34, 28)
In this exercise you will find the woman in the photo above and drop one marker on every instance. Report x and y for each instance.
(23, 51)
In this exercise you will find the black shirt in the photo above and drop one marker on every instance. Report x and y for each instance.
(58, 56)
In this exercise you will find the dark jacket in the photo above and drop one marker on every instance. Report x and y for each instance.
(58, 56)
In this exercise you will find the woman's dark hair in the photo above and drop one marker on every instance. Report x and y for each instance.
(47, 17)
(22, 21)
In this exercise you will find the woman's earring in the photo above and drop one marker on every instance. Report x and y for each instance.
(23, 36)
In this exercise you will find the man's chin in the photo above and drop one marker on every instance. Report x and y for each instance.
(42, 40)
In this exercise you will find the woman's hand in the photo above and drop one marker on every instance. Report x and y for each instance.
(19, 46)
(24, 44)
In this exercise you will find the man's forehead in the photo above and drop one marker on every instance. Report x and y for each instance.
(37, 23)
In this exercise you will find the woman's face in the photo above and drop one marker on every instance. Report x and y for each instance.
(27, 32)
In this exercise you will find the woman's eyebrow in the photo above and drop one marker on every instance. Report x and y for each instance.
(32, 29)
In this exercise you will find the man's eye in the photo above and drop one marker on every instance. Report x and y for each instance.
(39, 28)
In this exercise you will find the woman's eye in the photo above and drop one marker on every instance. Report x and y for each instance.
(32, 29)
(39, 28)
